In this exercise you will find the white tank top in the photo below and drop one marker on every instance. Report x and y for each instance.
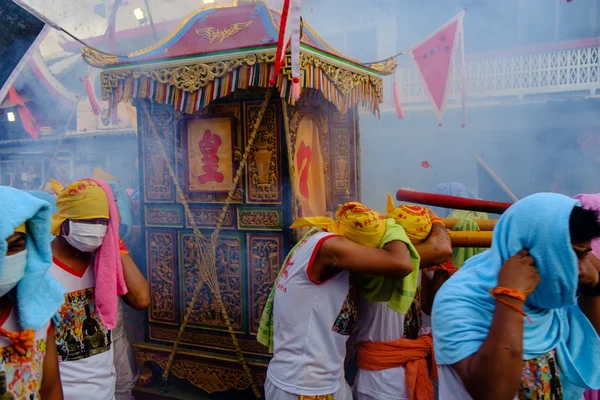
(312, 322)
(451, 387)
(379, 323)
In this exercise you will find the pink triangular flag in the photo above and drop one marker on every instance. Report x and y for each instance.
(433, 58)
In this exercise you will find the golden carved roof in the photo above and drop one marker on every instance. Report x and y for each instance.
(210, 48)
(221, 29)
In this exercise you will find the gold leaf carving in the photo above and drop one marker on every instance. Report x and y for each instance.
(208, 217)
(229, 270)
(263, 163)
(339, 117)
(259, 219)
(228, 108)
(207, 340)
(265, 261)
(212, 34)
(192, 77)
(387, 67)
(162, 276)
(342, 159)
(161, 216)
(188, 78)
(208, 377)
(97, 59)
(159, 186)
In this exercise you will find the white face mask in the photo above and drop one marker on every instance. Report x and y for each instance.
(85, 237)
(13, 270)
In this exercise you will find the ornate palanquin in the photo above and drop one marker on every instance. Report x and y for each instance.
(203, 110)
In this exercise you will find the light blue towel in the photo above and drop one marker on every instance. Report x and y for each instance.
(125, 207)
(39, 295)
(463, 308)
(47, 197)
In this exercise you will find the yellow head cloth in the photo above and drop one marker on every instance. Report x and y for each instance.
(55, 186)
(48, 187)
(354, 221)
(83, 199)
(102, 175)
(414, 219)
(21, 229)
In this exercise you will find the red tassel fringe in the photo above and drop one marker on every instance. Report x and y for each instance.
(399, 111)
(295, 89)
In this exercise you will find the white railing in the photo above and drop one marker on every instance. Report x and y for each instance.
(513, 77)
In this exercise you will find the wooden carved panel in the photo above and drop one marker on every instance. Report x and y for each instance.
(215, 197)
(158, 186)
(340, 118)
(313, 98)
(162, 274)
(265, 256)
(207, 312)
(202, 373)
(263, 178)
(207, 217)
(164, 215)
(227, 108)
(343, 162)
(250, 93)
(213, 340)
(260, 219)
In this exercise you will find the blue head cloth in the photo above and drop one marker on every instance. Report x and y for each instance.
(47, 197)
(463, 308)
(452, 189)
(125, 207)
(39, 295)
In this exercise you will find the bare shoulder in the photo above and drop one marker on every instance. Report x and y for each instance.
(337, 248)
(336, 244)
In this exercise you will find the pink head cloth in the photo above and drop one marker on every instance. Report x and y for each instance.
(108, 269)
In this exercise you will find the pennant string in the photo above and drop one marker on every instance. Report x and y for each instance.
(404, 52)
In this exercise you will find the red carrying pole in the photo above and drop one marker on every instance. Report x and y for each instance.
(452, 202)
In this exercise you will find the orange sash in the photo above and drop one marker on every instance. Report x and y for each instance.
(22, 341)
(412, 354)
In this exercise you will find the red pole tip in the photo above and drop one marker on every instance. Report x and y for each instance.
(440, 124)
(463, 125)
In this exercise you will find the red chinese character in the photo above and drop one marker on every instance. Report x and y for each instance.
(284, 273)
(209, 146)
(304, 153)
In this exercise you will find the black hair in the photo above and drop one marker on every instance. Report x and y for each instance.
(583, 225)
